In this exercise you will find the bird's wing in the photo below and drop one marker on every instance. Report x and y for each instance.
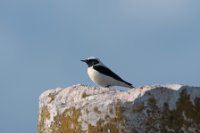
(107, 71)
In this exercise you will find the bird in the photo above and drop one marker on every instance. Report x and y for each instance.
(102, 75)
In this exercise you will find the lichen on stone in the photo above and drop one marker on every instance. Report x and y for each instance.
(42, 118)
(186, 116)
(51, 96)
(84, 95)
(65, 123)
(138, 108)
(96, 110)
(110, 125)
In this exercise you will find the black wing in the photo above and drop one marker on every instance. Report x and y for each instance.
(108, 72)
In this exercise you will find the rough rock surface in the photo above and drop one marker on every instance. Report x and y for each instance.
(153, 109)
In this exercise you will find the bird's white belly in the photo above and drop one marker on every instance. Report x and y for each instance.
(101, 79)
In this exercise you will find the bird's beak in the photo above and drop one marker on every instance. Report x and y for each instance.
(84, 61)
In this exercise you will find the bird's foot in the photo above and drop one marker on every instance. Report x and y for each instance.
(108, 86)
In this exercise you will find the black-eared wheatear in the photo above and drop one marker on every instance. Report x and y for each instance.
(102, 75)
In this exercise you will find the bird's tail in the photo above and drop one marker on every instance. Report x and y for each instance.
(128, 85)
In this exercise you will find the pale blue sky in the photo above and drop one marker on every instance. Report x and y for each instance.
(42, 43)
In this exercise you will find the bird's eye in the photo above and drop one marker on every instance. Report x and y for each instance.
(95, 62)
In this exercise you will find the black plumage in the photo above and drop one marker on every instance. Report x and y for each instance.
(106, 71)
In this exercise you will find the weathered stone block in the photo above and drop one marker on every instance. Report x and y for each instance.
(153, 109)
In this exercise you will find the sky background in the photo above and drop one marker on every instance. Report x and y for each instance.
(42, 42)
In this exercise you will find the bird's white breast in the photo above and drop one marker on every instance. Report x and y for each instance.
(101, 79)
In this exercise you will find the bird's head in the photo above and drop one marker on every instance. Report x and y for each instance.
(91, 61)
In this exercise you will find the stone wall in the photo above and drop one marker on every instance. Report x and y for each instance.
(153, 109)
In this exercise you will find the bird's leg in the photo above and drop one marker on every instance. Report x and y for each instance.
(108, 86)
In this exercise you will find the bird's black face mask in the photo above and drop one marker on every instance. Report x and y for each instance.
(91, 62)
